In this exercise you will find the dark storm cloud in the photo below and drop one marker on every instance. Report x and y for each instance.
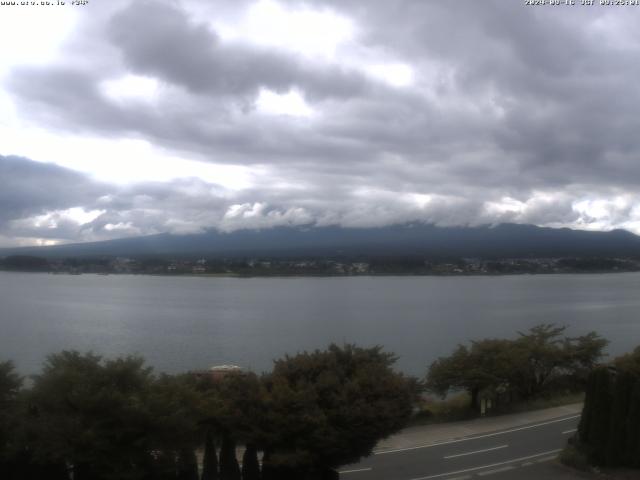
(561, 81)
(536, 105)
(161, 40)
(30, 188)
(35, 199)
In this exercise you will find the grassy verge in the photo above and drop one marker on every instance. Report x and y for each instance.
(546, 402)
(574, 458)
(457, 407)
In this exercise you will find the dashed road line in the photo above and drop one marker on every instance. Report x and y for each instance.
(466, 439)
(477, 451)
(546, 459)
(473, 469)
(356, 470)
(570, 431)
(497, 470)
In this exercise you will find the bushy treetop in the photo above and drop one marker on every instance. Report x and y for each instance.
(526, 365)
(331, 407)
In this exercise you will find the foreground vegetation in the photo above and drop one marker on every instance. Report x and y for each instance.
(97, 419)
(609, 430)
(457, 407)
(85, 417)
(539, 368)
(537, 365)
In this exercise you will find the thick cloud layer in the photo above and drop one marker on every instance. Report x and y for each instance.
(449, 112)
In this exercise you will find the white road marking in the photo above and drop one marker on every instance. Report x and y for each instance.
(356, 470)
(570, 431)
(477, 451)
(466, 439)
(487, 466)
(546, 459)
(497, 470)
(526, 464)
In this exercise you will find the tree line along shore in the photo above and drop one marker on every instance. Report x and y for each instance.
(321, 266)
(86, 417)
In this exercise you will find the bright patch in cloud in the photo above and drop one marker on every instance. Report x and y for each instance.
(131, 87)
(260, 215)
(420, 199)
(607, 213)
(33, 34)
(120, 161)
(26, 242)
(306, 31)
(8, 114)
(77, 215)
(504, 206)
(291, 103)
(80, 215)
(118, 226)
(600, 209)
(394, 74)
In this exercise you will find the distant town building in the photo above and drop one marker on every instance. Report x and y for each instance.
(218, 372)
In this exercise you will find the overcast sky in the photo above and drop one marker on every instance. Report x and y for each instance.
(122, 117)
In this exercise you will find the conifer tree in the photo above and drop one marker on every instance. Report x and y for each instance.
(229, 468)
(617, 437)
(210, 460)
(250, 464)
(187, 465)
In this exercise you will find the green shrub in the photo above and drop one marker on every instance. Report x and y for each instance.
(574, 458)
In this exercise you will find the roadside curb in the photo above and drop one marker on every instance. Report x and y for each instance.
(429, 435)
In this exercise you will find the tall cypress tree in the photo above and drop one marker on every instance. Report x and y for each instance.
(609, 431)
(162, 466)
(632, 448)
(617, 441)
(83, 471)
(250, 464)
(210, 460)
(229, 468)
(598, 432)
(187, 465)
(588, 412)
(268, 472)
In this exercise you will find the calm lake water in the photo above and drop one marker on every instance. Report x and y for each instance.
(181, 323)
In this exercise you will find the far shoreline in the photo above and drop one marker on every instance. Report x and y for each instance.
(323, 275)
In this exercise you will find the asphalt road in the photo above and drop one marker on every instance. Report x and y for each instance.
(513, 453)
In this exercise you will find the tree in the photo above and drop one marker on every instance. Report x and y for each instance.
(236, 406)
(536, 362)
(176, 410)
(609, 430)
(542, 350)
(25, 263)
(229, 468)
(629, 362)
(548, 357)
(329, 408)
(187, 464)
(487, 365)
(91, 414)
(250, 464)
(112, 419)
(233, 413)
(210, 459)
(10, 385)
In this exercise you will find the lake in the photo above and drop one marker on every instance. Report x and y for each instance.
(182, 323)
